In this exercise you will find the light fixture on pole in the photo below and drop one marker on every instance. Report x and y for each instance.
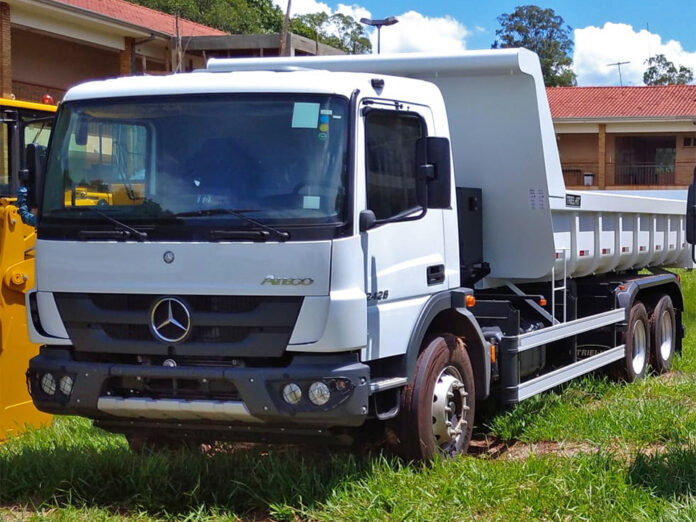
(379, 24)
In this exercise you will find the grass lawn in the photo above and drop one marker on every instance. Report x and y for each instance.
(593, 450)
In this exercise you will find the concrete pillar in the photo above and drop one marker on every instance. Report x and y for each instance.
(5, 51)
(602, 156)
(125, 58)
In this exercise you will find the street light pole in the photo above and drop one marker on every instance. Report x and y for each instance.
(379, 24)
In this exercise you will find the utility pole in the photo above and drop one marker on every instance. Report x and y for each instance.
(618, 64)
(284, 33)
(179, 53)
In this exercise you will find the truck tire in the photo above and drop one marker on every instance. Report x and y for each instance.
(637, 341)
(663, 328)
(437, 415)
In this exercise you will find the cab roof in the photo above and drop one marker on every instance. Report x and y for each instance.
(205, 82)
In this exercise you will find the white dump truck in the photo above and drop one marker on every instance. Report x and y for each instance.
(330, 247)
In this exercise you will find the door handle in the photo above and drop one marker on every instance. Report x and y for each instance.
(435, 274)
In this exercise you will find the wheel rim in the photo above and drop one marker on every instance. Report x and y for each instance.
(450, 405)
(666, 336)
(640, 346)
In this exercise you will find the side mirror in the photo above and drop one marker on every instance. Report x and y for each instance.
(34, 173)
(436, 168)
(691, 215)
(366, 220)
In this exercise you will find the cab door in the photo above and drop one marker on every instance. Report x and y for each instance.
(404, 251)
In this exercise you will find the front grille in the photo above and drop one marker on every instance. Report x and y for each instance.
(221, 326)
(201, 303)
(203, 334)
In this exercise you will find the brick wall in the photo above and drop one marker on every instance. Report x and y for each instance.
(5, 51)
(34, 93)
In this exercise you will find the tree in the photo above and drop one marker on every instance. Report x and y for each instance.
(312, 26)
(661, 71)
(545, 33)
(263, 16)
(349, 35)
(338, 30)
(233, 16)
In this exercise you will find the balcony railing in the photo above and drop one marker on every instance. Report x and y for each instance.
(645, 174)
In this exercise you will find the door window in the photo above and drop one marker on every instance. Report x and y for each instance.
(391, 165)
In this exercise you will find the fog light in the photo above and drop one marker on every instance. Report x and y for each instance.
(65, 385)
(292, 393)
(319, 393)
(48, 384)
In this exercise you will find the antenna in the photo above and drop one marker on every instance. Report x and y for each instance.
(618, 64)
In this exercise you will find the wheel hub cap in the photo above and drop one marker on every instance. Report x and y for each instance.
(640, 346)
(666, 341)
(450, 404)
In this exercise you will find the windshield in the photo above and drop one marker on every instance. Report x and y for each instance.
(168, 161)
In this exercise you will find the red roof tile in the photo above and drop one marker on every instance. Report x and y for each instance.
(143, 17)
(657, 101)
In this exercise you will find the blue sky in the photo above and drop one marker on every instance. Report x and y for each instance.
(604, 31)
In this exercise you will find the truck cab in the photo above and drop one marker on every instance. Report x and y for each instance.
(274, 236)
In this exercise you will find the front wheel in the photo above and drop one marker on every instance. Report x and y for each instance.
(437, 415)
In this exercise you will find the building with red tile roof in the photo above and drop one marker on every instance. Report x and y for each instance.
(46, 46)
(602, 103)
(141, 16)
(626, 137)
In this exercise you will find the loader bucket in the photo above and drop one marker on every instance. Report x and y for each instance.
(17, 411)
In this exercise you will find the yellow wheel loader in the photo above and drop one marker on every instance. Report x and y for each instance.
(23, 123)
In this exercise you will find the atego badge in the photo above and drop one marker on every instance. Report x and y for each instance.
(287, 281)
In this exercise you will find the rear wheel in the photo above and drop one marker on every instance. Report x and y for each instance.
(637, 341)
(663, 328)
(437, 415)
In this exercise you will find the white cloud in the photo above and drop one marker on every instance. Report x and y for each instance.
(416, 33)
(596, 47)
(355, 11)
(300, 7)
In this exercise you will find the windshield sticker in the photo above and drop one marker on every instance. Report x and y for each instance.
(311, 202)
(324, 123)
(323, 136)
(305, 115)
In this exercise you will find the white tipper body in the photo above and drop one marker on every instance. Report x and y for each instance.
(502, 141)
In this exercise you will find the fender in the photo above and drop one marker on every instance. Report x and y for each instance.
(460, 321)
(667, 280)
(663, 282)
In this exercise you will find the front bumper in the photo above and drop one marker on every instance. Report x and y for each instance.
(202, 395)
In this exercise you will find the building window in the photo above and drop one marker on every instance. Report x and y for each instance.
(645, 160)
(689, 142)
(391, 139)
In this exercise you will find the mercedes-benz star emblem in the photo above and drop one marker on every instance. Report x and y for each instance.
(168, 257)
(170, 320)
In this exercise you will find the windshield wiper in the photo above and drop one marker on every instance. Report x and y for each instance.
(126, 231)
(240, 213)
